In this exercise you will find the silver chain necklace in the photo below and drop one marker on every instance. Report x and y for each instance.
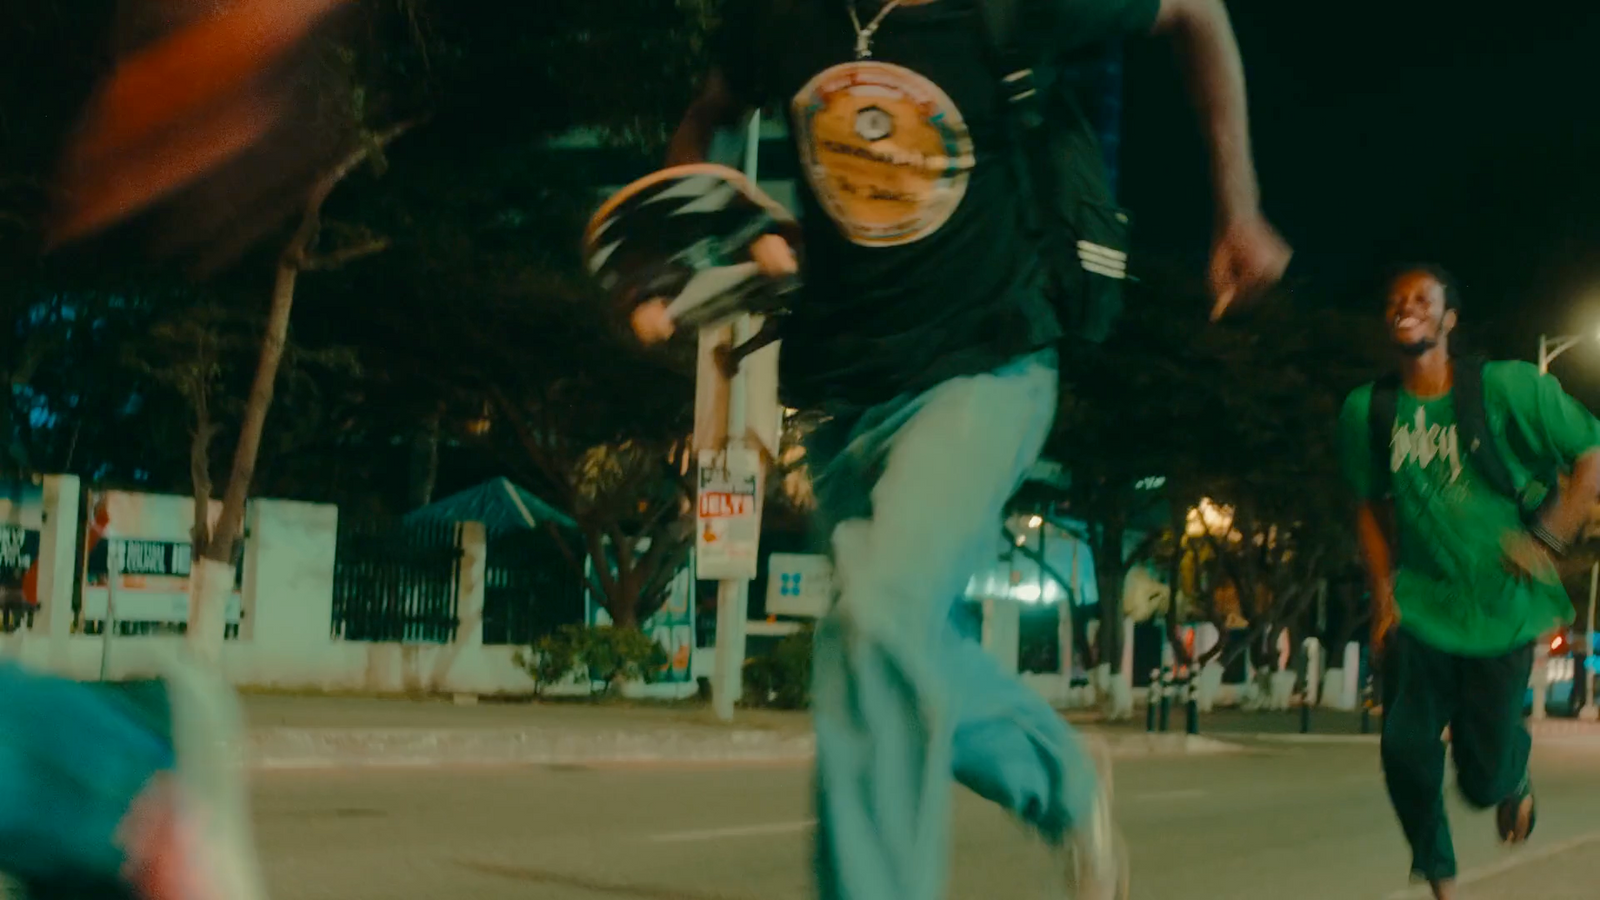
(864, 35)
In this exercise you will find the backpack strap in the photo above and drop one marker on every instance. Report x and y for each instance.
(1472, 427)
(1018, 62)
(1381, 411)
(1472, 424)
(1012, 28)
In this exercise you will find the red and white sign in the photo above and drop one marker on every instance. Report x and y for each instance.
(725, 505)
(728, 528)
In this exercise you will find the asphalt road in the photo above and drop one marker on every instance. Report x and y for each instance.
(1288, 820)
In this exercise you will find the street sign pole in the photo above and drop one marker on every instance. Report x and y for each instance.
(729, 411)
(108, 625)
(1590, 712)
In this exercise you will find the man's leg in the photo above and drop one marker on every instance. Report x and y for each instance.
(1491, 743)
(1011, 748)
(1421, 698)
(939, 471)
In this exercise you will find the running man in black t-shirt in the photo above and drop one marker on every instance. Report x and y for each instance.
(926, 332)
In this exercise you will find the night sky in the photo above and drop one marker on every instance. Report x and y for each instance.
(1408, 129)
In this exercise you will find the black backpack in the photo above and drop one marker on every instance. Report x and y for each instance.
(1472, 434)
(1059, 165)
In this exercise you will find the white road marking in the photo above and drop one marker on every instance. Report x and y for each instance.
(1515, 860)
(717, 834)
(772, 828)
(1318, 738)
(1163, 796)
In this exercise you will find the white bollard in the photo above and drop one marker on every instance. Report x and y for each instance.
(1540, 679)
(1313, 670)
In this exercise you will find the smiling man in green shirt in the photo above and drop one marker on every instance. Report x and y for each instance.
(1460, 548)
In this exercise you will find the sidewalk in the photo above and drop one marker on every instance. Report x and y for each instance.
(336, 732)
(1229, 724)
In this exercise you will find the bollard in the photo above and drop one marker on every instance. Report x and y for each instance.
(1366, 707)
(1166, 701)
(1193, 707)
(1155, 698)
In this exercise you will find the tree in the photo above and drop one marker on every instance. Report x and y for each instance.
(1172, 416)
(212, 172)
(216, 545)
(607, 441)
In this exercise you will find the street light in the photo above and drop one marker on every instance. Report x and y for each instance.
(1552, 347)
(1549, 349)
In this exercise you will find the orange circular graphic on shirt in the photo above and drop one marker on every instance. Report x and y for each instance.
(885, 150)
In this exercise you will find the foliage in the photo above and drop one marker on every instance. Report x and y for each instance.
(1240, 416)
(551, 659)
(781, 679)
(609, 656)
(481, 214)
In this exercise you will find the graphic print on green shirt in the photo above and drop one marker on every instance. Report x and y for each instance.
(1451, 585)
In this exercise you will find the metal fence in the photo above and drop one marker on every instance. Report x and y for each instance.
(16, 616)
(396, 582)
(530, 589)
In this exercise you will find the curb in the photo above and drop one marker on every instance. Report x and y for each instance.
(314, 748)
(333, 748)
(1569, 733)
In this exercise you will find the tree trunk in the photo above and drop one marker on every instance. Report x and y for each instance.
(212, 579)
(625, 602)
(208, 587)
(1109, 573)
(424, 464)
(624, 616)
(1174, 629)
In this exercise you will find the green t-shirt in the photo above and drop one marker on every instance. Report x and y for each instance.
(1451, 586)
(917, 269)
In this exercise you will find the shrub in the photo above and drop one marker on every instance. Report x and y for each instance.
(608, 655)
(781, 679)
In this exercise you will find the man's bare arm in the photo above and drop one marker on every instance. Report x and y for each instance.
(1209, 53)
(1576, 499)
(714, 109)
(1248, 256)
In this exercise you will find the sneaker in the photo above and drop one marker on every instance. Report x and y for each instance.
(1517, 814)
(203, 818)
(1098, 868)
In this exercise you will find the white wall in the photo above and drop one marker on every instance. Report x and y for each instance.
(285, 637)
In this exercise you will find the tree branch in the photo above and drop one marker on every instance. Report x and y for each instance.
(624, 548)
(601, 564)
(1037, 557)
(667, 568)
(554, 471)
(305, 236)
(572, 557)
(324, 261)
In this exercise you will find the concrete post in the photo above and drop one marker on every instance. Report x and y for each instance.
(58, 557)
(471, 588)
(1002, 631)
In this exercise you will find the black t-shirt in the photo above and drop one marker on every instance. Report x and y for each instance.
(916, 266)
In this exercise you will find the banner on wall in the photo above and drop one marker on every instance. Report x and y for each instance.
(672, 626)
(21, 521)
(150, 534)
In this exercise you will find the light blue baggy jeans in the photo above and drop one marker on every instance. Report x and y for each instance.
(71, 762)
(911, 498)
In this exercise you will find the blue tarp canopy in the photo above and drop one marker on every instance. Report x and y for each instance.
(501, 506)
